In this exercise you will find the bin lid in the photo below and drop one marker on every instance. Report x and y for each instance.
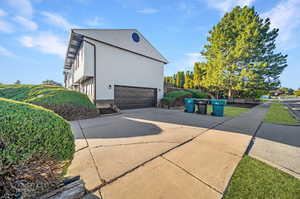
(218, 102)
(201, 101)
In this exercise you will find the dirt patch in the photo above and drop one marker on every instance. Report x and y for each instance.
(71, 112)
(31, 179)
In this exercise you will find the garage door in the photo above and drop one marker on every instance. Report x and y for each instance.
(127, 97)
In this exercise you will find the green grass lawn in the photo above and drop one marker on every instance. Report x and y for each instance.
(230, 111)
(255, 179)
(278, 113)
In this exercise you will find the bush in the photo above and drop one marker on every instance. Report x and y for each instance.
(198, 94)
(28, 133)
(56, 98)
(176, 98)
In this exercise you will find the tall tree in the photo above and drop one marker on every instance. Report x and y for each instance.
(180, 79)
(241, 53)
(51, 82)
(199, 74)
(18, 82)
(188, 80)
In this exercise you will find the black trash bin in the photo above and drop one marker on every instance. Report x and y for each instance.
(201, 106)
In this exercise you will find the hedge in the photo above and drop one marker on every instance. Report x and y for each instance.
(28, 130)
(172, 96)
(45, 94)
(71, 105)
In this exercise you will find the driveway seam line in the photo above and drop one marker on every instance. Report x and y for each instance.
(192, 175)
(114, 145)
(157, 156)
(94, 161)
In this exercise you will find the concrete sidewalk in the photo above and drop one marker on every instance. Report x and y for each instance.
(196, 163)
(278, 145)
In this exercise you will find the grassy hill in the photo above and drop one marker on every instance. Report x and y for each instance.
(69, 104)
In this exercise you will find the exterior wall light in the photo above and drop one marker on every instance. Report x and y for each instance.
(109, 86)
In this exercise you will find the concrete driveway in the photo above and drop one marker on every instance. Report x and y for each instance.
(120, 143)
(159, 153)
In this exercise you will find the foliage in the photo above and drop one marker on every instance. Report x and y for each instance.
(199, 74)
(52, 82)
(255, 179)
(297, 92)
(172, 96)
(278, 113)
(180, 79)
(198, 94)
(241, 54)
(188, 80)
(27, 130)
(36, 146)
(45, 94)
(18, 82)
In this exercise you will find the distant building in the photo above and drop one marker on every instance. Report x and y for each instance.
(114, 67)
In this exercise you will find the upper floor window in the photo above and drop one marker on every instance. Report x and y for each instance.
(135, 37)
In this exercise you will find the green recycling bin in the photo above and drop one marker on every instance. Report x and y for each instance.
(218, 107)
(189, 105)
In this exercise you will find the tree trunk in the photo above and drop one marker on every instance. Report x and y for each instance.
(229, 94)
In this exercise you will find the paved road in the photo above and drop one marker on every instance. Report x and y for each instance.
(294, 105)
(158, 153)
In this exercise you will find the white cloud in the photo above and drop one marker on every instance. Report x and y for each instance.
(226, 5)
(58, 20)
(2, 13)
(46, 42)
(26, 23)
(286, 16)
(5, 52)
(6, 27)
(191, 58)
(187, 7)
(148, 11)
(96, 21)
(186, 62)
(23, 7)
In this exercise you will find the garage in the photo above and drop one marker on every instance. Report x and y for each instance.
(128, 97)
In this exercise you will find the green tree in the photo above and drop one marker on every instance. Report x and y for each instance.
(297, 92)
(18, 82)
(180, 79)
(199, 74)
(51, 82)
(188, 80)
(240, 54)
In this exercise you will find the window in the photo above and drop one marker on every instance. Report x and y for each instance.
(135, 37)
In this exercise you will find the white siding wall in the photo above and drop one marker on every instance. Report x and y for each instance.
(119, 67)
(84, 62)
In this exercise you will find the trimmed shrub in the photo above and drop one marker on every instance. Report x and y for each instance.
(176, 98)
(198, 94)
(31, 133)
(67, 103)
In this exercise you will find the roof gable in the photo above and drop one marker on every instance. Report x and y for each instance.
(123, 39)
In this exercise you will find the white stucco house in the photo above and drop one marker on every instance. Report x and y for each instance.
(114, 67)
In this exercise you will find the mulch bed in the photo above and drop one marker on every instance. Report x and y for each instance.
(71, 112)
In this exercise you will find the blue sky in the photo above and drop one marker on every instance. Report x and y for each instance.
(34, 33)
